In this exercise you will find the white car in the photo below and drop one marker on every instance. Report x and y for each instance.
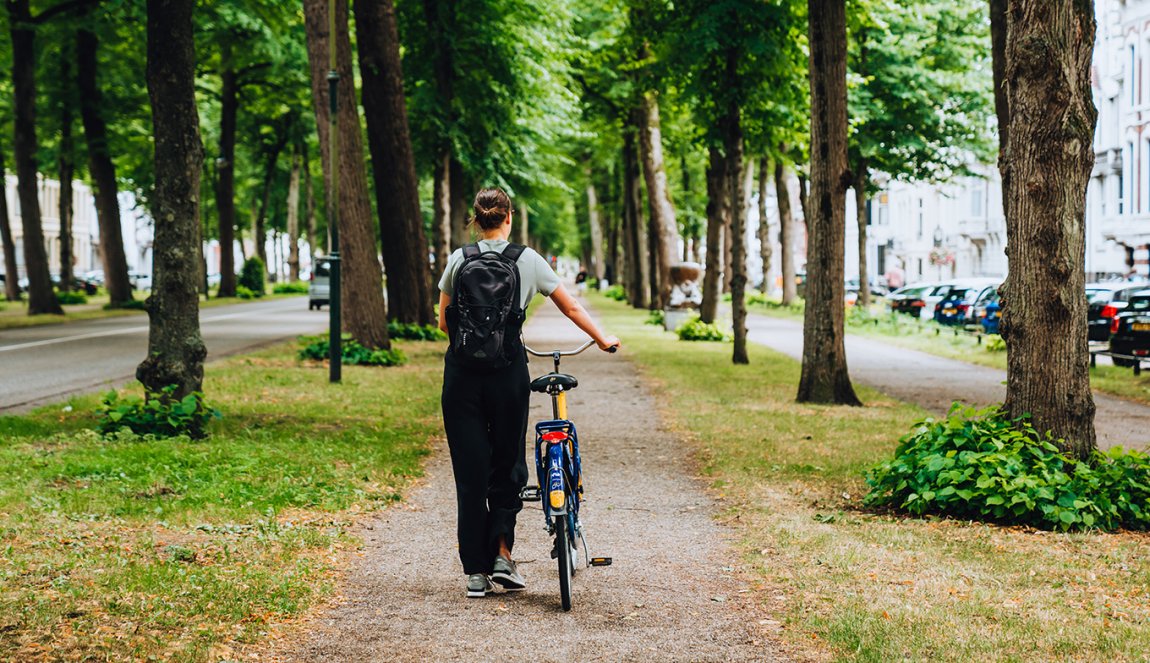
(319, 285)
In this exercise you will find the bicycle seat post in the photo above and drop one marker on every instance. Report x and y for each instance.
(555, 356)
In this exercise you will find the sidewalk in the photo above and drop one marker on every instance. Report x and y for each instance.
(673, 593)
(935, 382)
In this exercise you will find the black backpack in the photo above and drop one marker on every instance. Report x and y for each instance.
(485, 317)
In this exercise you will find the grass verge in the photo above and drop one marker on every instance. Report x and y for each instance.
(131, 548)
(858, 585)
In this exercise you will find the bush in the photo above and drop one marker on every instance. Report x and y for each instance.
(244, 292)
(160, 414)
(655, 317)
(995, 344)
(293, 288)
(131, 305)
(615, 292)
(252, 277)
(409, 331)
(71, 297)
(981, 465)
(756, 298)
(316, 348)
(697, 330)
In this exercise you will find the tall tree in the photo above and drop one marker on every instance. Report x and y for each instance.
(737, 171)
(293, 216)
(662, 213)
(101, 169)
(364, 309)
(1049, 46)
(824, 376)
(41, 297)
(594, 223)
(66, 172)
(765, 248)
(225, 188)
(717, 202)
(11, 280)
(634, 246)
(405, 247)
(175, 348)
(786, 233)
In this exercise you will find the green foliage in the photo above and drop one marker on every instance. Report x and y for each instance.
(981, 465)
(252, 277)
(615, 292)
(71, 297)
(244, 292)
(697, 330)
(655, 317)
(995, 343)
(293, 288)
(134, 305)
(316, 348)
(159, 414)
(413, 332)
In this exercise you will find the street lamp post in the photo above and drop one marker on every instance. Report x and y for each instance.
(335, 328)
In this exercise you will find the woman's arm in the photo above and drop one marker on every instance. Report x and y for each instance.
(444, 302)
(571, 308)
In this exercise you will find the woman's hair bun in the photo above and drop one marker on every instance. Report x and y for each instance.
(492, 205)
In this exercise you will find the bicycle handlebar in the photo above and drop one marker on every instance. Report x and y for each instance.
(562, 353)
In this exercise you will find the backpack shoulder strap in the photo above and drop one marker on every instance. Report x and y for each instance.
(470, 251)
(513, 251)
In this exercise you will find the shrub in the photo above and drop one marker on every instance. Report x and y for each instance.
(71, 297)
(160, 414)
(697, 330)
(655, 317)
(409, 331)
(615, 292)
(244, 292)
(252, 277)
(316, 348)
(132, 305)
(756, 298)
(981, 465)
(293, 288)
(995, 344)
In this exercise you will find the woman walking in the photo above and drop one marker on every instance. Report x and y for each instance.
(486, 385)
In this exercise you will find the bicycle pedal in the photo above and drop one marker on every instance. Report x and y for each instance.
(531, 494)
(600, 561)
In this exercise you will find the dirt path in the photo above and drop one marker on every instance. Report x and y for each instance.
(673, 594)
(935, 382)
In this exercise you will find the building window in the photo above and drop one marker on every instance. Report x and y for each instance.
(976, 202)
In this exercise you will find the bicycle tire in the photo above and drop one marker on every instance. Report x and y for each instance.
(564, 556)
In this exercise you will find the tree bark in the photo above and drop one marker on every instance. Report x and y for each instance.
(461, 199)
(825, 378)
(765, 252)
(635, 247)
(175, 349)
(1001, 102)
(102, 170)
(663, 227)
(259, 225)
(441, 219)
(309, 207)
(1049, 46)
(66, 170)
(226, 174)
(739, 174)
(716, 216)
(786, 233)
(11, 277)
(523, 226)
(364, 309)
(405, 246)
(593, 220)
(41, 297)
(860, 184)
(293, 217)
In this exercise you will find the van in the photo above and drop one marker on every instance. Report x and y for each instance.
(318, 287)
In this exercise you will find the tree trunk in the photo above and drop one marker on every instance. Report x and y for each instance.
(1050, 136)
(716, 217)
(102, 170)
(226, 174)
(404, 242)
(593, 220)
(309, 208)
(364, 310)
(461, 201)
(824, 374)
(441, 220)
(1001, 102)
(860, 184)
(739, 177)
(663, 226)
(804, 197)
(293, 217)
(175, 349)
(636, 249)
(765, 253)
(66, 170)
(523, 226)
(259, 226)
(786, 233)
(11, 277)
(41, 297)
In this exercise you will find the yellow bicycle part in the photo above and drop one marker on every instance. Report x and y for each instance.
(561, 404)
(557, 499)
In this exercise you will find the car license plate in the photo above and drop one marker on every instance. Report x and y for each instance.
(949, 311)
(1141, 326)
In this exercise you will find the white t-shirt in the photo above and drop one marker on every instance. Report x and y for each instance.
(535, 275)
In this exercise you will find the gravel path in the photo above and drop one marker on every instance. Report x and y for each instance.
(674, 593)
(935, 382)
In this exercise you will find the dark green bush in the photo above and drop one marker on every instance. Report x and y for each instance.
(995, 343)
(159, 415)
(697, 330)
(252, 277)
(71, 297)
(293, 288)
(316, 348)
(655, 317)
(133, 305)
(981, 465)
(244, 292)
(409, 331)
(615, 292)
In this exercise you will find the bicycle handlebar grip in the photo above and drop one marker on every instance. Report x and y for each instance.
(613, 349)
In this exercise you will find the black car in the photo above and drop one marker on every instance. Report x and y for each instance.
(953, 308)
(1104, 302)
(910, 299)
(1130, 330)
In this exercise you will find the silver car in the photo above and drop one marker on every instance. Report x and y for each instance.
(317, 289)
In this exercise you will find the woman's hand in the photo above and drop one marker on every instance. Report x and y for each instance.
(608, 342)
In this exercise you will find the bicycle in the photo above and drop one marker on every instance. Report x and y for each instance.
(559, 468)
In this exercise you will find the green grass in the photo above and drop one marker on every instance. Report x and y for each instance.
(129, 548)
(851, 584)
(14, 315)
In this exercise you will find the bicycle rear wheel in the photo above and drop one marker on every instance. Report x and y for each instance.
(563, 548)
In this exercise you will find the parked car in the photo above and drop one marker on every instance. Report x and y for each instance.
(992, 321)
(1130, 329)
(941, 291)
(140, 280)
(909, 299)
(1104, 301)
(977, 311)
(318, 286)
(953, 308)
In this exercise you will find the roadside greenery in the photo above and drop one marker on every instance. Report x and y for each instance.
(410, 331)
(292, 288)
(71, 297)
(157, 414)
(697, 330)
(252, 278)
(317, 348)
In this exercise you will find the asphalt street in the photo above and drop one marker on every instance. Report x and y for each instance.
(935, 382)
(39, 365)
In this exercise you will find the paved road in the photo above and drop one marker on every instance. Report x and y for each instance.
(39, 365)
(935, 382)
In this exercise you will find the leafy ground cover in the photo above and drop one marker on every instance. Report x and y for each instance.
(864, 585)
(131, 548)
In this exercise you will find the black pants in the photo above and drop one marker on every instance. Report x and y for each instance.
(485, 416)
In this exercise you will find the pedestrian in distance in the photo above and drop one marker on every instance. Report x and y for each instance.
(484, 291)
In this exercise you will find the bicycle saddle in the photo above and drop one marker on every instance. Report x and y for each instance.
(559, 381)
